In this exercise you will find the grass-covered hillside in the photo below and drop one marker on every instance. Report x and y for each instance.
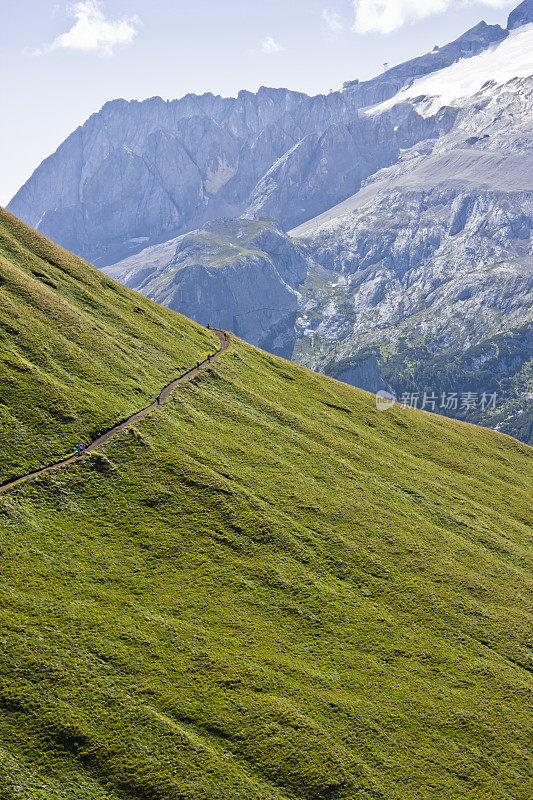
(267, 590)
(78, 352)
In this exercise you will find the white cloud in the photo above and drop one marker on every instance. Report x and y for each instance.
(385, 16)
(269, 45)
(92, 31)
(332, 20)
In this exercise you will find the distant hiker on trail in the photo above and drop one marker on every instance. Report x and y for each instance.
(78, 450)
(209, 358)
(225, 336)
(207, 326)
(197, 365)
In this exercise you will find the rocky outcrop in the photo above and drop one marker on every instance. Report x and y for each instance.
(363, 371)
(321, 169)
(236, 274)
(522, 15)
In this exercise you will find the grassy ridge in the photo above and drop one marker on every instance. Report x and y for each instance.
(271, 590)
(78, 352)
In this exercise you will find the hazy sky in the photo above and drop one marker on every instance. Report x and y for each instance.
(61, 61)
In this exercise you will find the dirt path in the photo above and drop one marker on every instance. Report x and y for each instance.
(162, 397)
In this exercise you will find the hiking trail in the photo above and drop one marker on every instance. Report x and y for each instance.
(104, 437)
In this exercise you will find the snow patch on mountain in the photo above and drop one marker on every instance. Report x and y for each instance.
(500, 64)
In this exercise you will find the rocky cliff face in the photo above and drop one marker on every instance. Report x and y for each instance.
(139, 173)
(522, 15)
(322, 168)
(435, 284)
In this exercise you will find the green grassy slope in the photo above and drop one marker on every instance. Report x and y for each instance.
(78, 352)
(269, 590)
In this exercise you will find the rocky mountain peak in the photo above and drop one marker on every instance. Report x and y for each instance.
(522, 15)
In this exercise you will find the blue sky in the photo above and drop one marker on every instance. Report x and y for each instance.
(63, 60)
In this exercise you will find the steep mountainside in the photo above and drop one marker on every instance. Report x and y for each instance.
(267, 590)
(78, 352)
(522, 15)
(138, 173)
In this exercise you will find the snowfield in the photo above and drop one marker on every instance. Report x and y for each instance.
(510, 59)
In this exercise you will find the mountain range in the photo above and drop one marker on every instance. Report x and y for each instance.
(380, 234)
